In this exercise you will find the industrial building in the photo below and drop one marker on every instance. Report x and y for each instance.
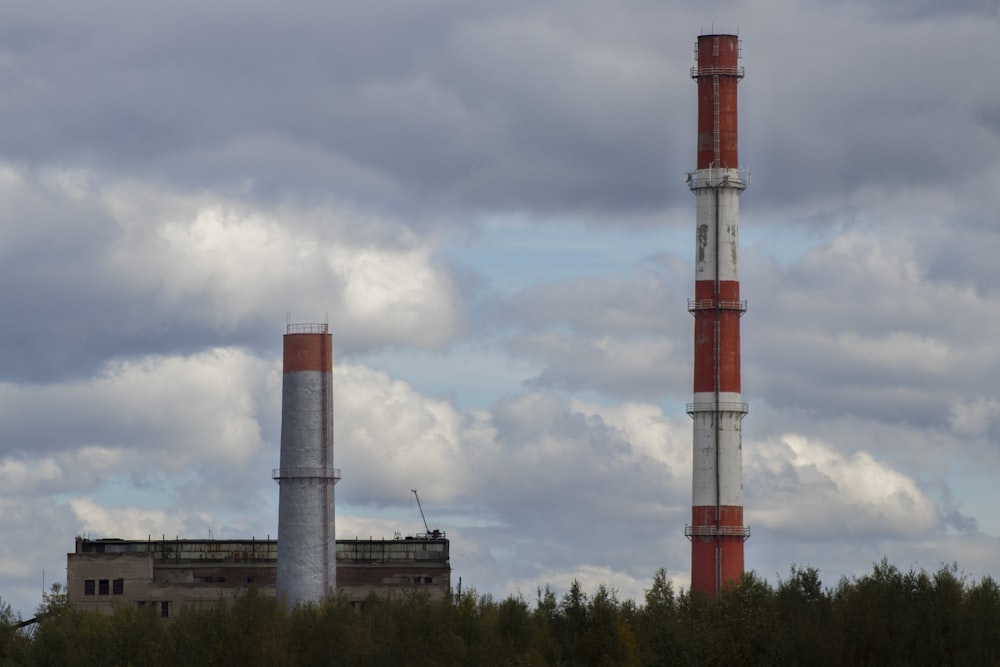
(306, 563)
(717, 531)
(178, 574)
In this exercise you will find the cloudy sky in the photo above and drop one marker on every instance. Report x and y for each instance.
(486, 202)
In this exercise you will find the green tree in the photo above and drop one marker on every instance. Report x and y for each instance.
(59, 627)
(609, 634)
(979, 624)
(885, 617)
(320, 634)
(804, 612)
(746, 611)
(571, 624)
(15, 646)
(252, 629)
(516, 631)
(891, 617)
(657, 624)
(545, 620)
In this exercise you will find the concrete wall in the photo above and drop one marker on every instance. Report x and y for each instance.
(186, 574)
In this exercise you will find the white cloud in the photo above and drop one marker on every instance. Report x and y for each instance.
(650, 434)
(65, 472)
(37, 534)
(395, 291)
(242, 260)
(135, 522)
(810, 491)
(623, 584)
(973, 418)
(635, 368)
(172, 409)
(132, 265)
(901, 350)
(18, 475)
(357, 525)
(390, 439)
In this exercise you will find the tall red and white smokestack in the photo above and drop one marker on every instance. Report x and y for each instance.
(717, 532)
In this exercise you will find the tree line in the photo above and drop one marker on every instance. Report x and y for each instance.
(885, 617)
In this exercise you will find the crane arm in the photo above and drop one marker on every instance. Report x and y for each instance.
(420, 507)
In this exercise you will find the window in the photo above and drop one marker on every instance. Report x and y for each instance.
(165, 609)
(118, 587)
(89, 586)
(428, 580)
(102, 587)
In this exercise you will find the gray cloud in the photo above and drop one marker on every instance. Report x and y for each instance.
(445, 104)
(483, 107)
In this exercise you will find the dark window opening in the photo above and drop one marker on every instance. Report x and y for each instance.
(118, 587)
(89, 585)
(250, 579)
(102, 587)
(165, 609)
(220, 580)
(428, 580)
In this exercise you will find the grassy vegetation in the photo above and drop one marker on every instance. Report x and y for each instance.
(886, 617)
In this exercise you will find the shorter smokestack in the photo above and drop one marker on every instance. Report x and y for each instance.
(307, 553)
